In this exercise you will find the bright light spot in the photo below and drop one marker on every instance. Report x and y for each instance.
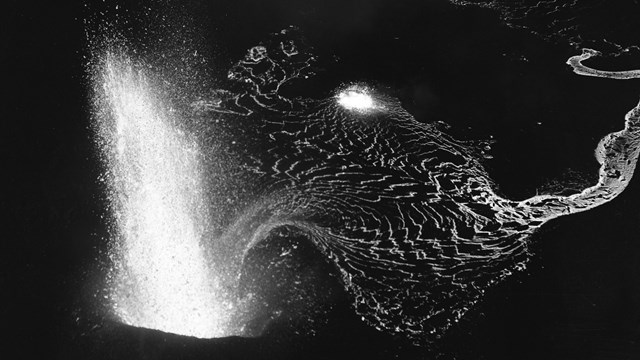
(357, 100)
(161, 277)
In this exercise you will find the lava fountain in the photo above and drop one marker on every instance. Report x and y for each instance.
(160, 276)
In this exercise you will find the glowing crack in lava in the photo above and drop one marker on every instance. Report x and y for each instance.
(161, 278)
(405, 213)
(356, 99)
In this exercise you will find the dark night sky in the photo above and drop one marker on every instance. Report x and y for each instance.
(579, 299)
(46, 200)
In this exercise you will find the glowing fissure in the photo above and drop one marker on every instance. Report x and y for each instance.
(617, 154)
(161, 278)
(576, 63)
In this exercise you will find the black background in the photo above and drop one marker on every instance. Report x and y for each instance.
(578, 299)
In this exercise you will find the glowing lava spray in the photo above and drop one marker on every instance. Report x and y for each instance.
(160, 277)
